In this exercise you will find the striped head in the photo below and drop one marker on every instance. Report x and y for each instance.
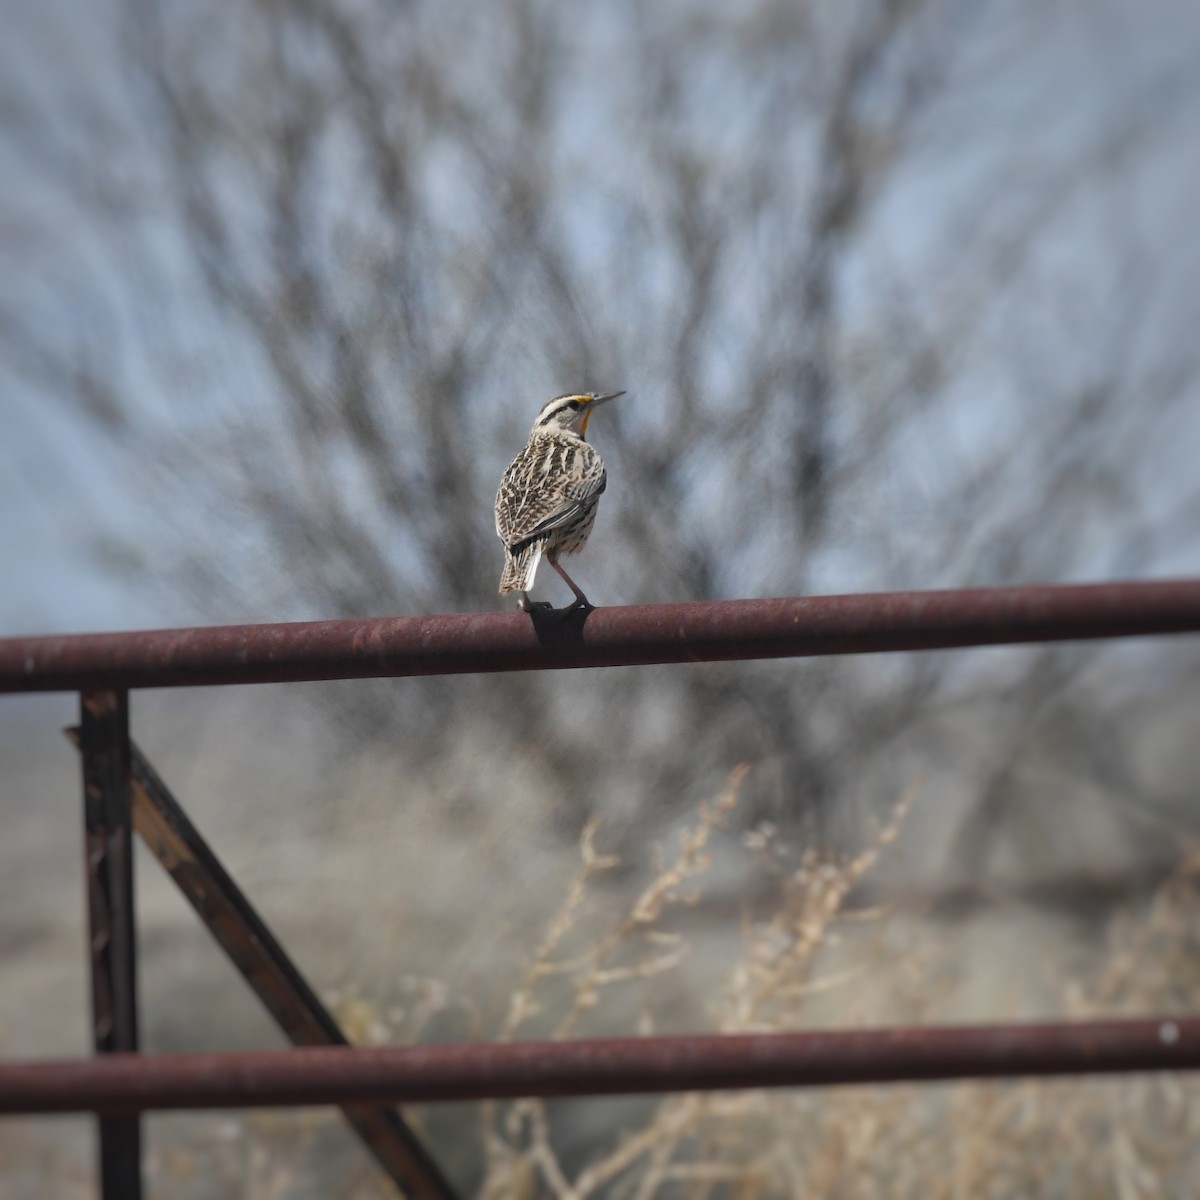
(570, 414)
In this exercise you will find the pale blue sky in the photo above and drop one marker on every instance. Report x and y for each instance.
(1092, 68)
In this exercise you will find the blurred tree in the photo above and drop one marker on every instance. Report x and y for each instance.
(890, 311)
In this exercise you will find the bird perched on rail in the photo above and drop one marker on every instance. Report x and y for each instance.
(547, 500)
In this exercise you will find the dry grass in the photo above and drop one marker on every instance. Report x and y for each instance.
(808, 958)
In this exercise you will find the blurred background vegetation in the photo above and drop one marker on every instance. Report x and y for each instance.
(903, 293)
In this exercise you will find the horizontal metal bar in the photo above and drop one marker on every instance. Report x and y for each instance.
(660, 633)
(425, 1074)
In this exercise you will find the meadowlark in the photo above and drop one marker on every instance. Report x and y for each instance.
(548, 497)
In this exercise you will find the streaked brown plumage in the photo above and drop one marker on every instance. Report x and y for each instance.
(547, 500)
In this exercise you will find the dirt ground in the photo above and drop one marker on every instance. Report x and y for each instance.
(418, 916)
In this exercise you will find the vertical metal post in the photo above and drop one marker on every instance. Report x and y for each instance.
(108, 857)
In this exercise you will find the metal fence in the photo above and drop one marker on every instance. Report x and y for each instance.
(124, 795)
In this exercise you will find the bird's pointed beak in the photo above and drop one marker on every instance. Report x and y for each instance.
(594, 403)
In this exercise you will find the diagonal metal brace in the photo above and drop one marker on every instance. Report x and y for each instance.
(165, 828)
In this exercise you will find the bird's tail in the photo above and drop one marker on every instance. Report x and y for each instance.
(520, 568)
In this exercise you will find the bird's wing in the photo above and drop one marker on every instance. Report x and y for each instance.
(569, 510)
(532, 504)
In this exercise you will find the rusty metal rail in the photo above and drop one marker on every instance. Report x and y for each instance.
(661, 633)
(121, 791)
(161, 822)
(131, 1083)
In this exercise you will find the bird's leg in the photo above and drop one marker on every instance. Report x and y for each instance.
(581, 601)
(527, 605)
